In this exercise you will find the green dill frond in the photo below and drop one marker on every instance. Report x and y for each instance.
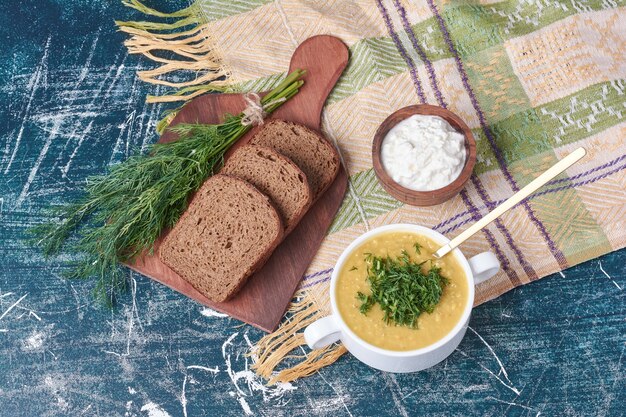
(418, 248)
(123, 212)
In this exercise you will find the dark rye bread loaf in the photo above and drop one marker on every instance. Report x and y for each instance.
(274, 175)
(228, 231)
(317, 158)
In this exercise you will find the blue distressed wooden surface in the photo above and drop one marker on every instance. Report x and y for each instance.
(70, 105)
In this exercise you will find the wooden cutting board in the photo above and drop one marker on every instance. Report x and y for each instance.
(265, 297)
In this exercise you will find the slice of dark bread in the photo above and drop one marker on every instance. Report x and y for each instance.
(228, 231)
(274, 175)
(315, 156)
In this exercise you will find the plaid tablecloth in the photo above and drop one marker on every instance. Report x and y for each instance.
(533, 80)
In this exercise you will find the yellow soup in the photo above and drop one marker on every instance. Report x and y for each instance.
(371, 327)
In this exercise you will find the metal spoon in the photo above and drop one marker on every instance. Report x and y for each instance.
(533, 186)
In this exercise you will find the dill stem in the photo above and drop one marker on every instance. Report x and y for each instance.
(288, 81)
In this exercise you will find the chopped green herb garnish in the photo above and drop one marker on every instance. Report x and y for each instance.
(367, 301)
(418, 248)
(354, 268)
(401, 288)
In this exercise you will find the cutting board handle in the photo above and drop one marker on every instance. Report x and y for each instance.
(324, 57)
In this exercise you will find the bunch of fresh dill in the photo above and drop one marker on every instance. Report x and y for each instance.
(402, 288)
(123, 212)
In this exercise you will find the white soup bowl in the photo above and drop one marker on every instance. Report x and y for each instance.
(333, 328)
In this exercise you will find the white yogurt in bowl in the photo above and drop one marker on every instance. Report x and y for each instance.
(423, 153)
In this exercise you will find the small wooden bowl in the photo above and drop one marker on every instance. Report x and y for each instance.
(424, 198)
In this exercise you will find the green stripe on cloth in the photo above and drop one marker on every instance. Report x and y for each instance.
(569, 119)
(495, 84)
(258, 85)
(219, 9)
(472, 28)
(375, 59)
(371, 60)
(585, 113)
(485, 159)
(476, 27)
(570, 225)
(371, 196)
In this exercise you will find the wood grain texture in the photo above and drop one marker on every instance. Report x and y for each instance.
(265, 297)
(423, 198)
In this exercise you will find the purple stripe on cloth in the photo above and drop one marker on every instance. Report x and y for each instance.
(504, 261)
(405, 56)
(581, 183)
(582, 174)
(475, 180)
(533, 196)
(553, 182)
(450, 220)
(325, 273)
(456, 226)
(507, 236)
(310, 284)
(556, 252)
(420, 52)
(317, 274)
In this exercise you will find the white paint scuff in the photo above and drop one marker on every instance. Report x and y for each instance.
(12, 306)
(511, 387)
(154, 410)
(34, 341)
(82, 137)
(183, 397)
(33, 84)
(253, 382)
(245, 406)
(339, 396)
(608, 276)
(54, 132)
(204, 368)
(502, 369)
(207, 312)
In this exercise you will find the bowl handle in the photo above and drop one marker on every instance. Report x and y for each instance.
(322, 332)
(484, 266)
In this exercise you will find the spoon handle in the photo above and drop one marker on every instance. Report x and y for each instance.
(533, 186)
